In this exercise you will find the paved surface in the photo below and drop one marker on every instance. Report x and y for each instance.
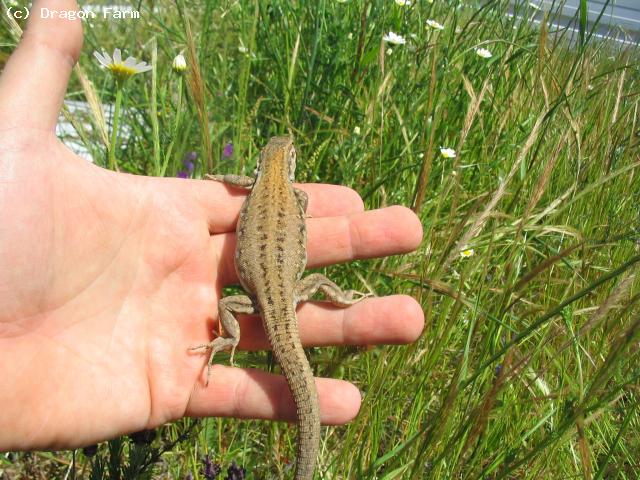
(620, 21)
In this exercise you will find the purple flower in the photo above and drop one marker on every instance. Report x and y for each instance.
(190, 157)
(189, 160)
(234, 472)
(143, 437)
(211, 470)
(228, 150)
(90, 451)
(182, 174)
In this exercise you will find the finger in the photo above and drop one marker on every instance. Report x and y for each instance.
(250, 393)
(35, 77)
(396, 319)
(374, 233)
(220, 204)
(324, 200)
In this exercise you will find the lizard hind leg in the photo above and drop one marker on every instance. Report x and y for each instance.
(227, 307)
(310, 284)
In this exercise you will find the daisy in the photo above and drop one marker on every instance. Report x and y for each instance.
(121, 70)
(483, 52)
(447, 152)
(394, 38)
(469, 252)
(403, 3)
(435, 25)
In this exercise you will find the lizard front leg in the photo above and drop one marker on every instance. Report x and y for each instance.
(303, 200)
(234, 180)
(310, 284)
(226, 308)
(302, 197)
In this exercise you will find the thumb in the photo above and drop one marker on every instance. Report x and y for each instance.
(35, 78)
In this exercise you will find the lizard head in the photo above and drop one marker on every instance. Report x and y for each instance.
(279, 155)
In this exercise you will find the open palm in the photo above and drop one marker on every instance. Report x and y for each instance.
(108, 278)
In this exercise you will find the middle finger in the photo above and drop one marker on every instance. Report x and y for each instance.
(374, 233)
(395, 319)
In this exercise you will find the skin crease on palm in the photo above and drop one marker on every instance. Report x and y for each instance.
(108, 278)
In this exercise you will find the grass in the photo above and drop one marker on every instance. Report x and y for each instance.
(528, 364)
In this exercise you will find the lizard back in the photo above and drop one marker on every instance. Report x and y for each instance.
(270, 259)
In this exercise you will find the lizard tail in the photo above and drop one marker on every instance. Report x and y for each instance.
(295, 366)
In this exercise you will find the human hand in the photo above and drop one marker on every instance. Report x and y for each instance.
(107, 279)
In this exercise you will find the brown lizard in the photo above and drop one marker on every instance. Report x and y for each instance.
(270, 257)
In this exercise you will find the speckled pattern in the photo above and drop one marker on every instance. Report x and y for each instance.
(270, 259)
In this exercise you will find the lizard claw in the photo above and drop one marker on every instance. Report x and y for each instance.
(218, 344)
(356, 296)
(204, 346)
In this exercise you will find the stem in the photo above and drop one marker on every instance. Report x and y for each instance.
(178, 106)
(114, 128)
(158, 170)
(176, 125)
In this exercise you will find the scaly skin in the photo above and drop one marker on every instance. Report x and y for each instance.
(270, 259)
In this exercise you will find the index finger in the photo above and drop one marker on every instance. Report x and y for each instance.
(220, 204)
(374, 233)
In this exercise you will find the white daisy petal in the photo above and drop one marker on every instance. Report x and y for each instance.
(103, 58)
(119, 69)
(447, 152)
(130, 62)
(435, 25)
(394, 39)
(483, 52)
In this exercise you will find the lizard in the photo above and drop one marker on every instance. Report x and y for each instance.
(270, 258)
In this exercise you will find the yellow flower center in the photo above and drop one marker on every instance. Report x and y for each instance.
(121, 72)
